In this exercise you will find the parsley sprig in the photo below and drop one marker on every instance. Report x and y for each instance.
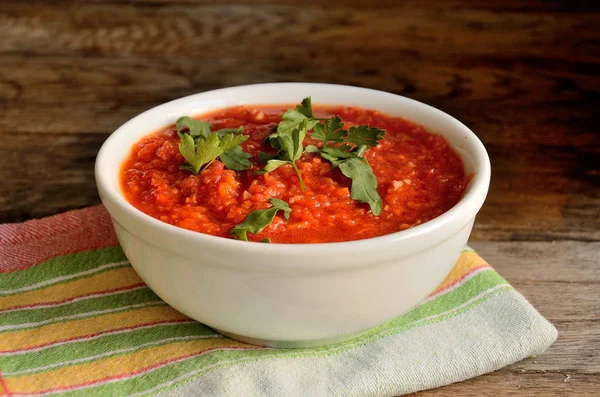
(257, 220)
(200, 146)
(342, 148)
(345, 149)
(289, 138)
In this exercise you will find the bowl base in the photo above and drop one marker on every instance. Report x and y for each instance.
(295, 344)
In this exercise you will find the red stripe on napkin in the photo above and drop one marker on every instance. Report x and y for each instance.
(25, 244)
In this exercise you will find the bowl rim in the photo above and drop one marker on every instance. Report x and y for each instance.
(471, 201)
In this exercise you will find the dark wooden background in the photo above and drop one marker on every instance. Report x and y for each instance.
(524, 75)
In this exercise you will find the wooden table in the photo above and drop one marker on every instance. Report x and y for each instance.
(523, 75)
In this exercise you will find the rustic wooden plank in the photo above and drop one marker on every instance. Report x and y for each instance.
(407, 36)
(581, 304)
(559, 278)
(540, 6)
(43, 175)
(557, 261)
(576, 350)
(103, 93)
(541, 193)
(507, 383)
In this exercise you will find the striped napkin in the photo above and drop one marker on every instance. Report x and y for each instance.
(75, 319)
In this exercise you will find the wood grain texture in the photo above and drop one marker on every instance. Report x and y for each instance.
(536, 383)
(562, 281)
(502, 73)
(522, 74)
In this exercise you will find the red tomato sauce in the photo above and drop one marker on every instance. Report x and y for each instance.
(419, 178)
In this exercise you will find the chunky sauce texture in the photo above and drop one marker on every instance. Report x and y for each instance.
(419, 178)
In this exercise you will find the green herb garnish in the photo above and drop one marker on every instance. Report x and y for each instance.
(200, 146)
(257, 220)
(363, 135)
(195, 127)
(293, 118)
(342, 148)
(364, 182)
(289, 143)
(236, 159)
(347, 154)
(289, 137)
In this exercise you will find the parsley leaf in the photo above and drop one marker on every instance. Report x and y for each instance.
(347, 155)
(264, 157)
(336, 154)
(308, 149)
(292, 118)
(194, 127)
(200, 147)
(289, 137)
(305, 107)
(187, 148)
(331, 130)
(257, 220)
(290, 146)
(274, 164)
(225, 131)
(364, 182)
(289, 143)
(201, 152)
(364, 135)
(207, 150)
(236, 159)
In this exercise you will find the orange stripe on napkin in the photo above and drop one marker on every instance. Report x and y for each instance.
(15, 341)
(119, 367)
(468, 263)
(108, 281)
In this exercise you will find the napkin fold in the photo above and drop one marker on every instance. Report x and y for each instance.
(75, 319)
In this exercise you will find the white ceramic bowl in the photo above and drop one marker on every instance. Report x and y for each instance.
(289, 295)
